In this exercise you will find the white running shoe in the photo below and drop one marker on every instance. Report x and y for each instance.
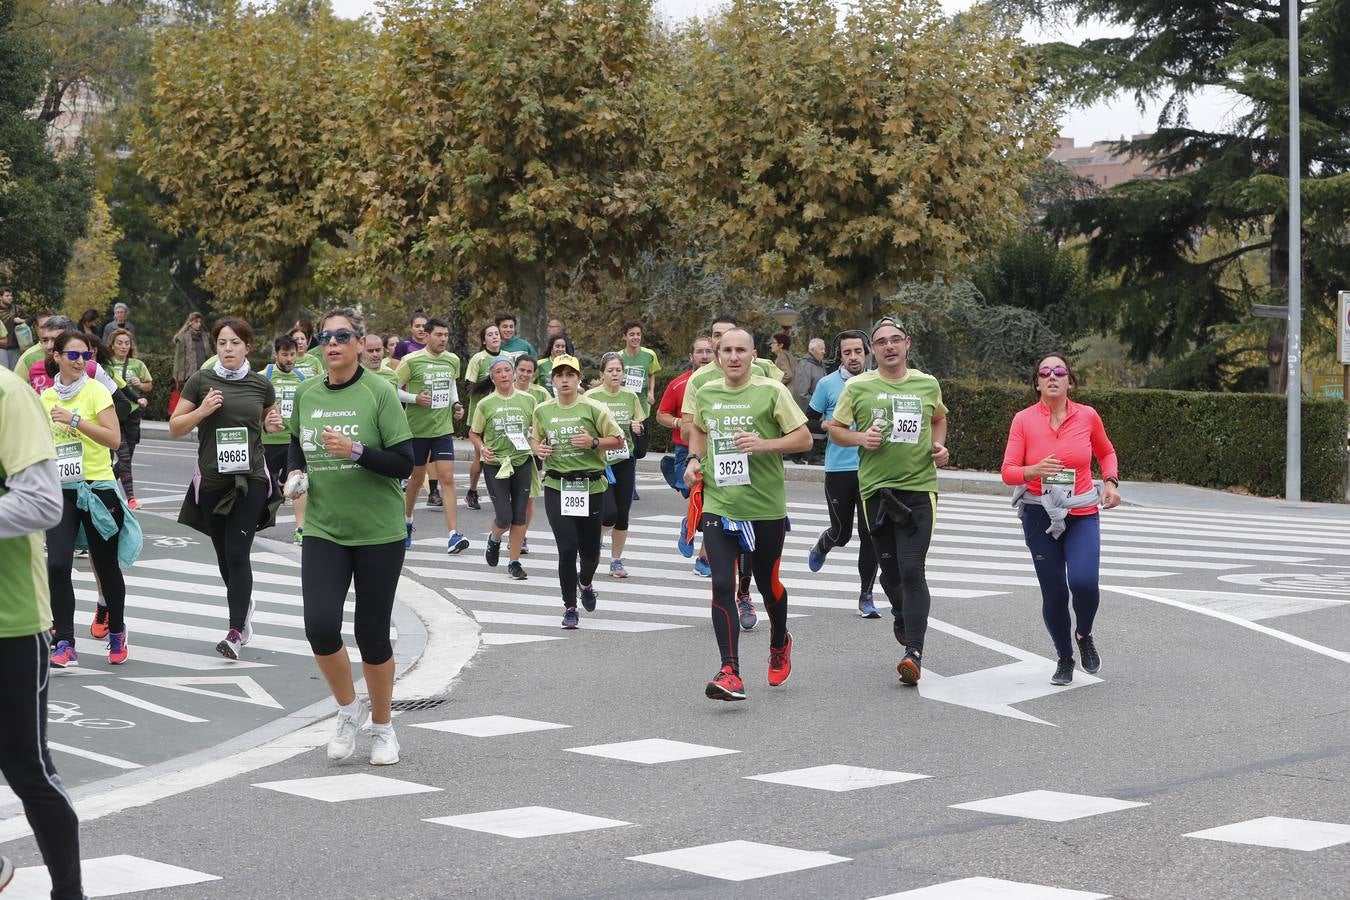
(343, 742)
(247, 634)
(384, 750)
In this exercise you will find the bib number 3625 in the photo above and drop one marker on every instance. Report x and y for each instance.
(731, 467)
(232, 450)
(70, 461)
(906, 420)
(576, 497)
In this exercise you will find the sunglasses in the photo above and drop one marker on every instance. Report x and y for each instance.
(342, 336)
(79, 355)
(1057, 371)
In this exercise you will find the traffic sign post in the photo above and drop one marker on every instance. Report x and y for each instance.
(1343, 340)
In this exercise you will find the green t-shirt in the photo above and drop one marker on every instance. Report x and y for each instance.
(542, 378)
(638, 371)
(285, 384)
(348, 504)
(517, 347)
(745, 486)
(626, 408)
(26, 360)
(555, 424)
(25, 440)
(504, 423)
(421, 371)
(232, 435)
(540, 394)
(477, 369)
(388, 373)
(704, 374)
(93, 398)
(135, 368)
(905, 409)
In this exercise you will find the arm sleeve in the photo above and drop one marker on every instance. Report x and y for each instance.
(405, 396)
(1015, 454)
(1103, 449)
(34, 500)
(454, 391)
(392, 462)
(295, 457)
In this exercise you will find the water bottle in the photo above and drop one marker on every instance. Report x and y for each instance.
(23, 335)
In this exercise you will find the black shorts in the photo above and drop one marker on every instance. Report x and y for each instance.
(275, 456)
(433, 449)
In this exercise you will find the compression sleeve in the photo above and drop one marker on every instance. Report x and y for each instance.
(454, 392)
(295, 457)
(406, 397)
(34, 501)
(392, 462)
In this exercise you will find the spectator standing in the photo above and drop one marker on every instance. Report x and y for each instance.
(89, 323)
(191, 347)
(119, 320)
(9, 322)
(810, 370)
(558, 328)
(780, 346)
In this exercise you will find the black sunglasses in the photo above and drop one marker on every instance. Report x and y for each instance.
(78, 355)
(342, 336)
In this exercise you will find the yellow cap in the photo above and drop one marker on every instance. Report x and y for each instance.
(565, 360)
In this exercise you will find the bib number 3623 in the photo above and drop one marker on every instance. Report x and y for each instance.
(731, 467)
(70, 461)
(232, 450)
(576, 497)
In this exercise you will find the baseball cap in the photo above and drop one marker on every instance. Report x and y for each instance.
(893, 321)
(568, 361)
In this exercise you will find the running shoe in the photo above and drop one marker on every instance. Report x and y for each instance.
(635, 495)
(616, 569)
(133, 503)
(910, 668)
(471, 500)
(493, 553)
(780, 663)
(570, 618)
(246, 633)
(81, 553)
(407, 541)
(458, 543)
(1063, 671)
(525, 546)
(683, 542)
(726, 685)
(1087, 651)
(298, 539)
(384, 747)
(515, 570)
(117, 647)
(866, 608)
(229, 648)
(99, 627)
(702, 568)
(6, 872)
(815, 558)
(746, 608)
(588, 597)
(64, 656)
(434, 499)
(343, 742)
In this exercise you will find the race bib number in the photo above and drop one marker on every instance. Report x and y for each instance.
(70, 461)
(634, 378)
(440, 393)
(906, 420)
(518, 440)
(232, 450)
(731, 467)
(286, 403)
(618, 454)
(1065, 477)
(576, 497)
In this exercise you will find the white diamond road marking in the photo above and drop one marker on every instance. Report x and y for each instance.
(489, 726)
(1048, 806)
(340, 788)
(740, 860)
(652, 751)
(837, 778)
(1275, 831)
(492, 639)
(528, 822)
(991, 889)
(107, 876)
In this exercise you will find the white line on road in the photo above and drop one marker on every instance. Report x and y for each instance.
(144, 704)
(96, 757)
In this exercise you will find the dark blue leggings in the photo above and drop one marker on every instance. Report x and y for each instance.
(1076, 554)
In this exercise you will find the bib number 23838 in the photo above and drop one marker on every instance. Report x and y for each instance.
(731, 467)
(576, 497)
(70, 461)
(232, 450)
(906, 420)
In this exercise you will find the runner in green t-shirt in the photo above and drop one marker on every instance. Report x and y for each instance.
(571, 435)
(27, 358)
(500, 434)
(374, 361)
(526, 370)
(430, 374)
(897, 477)
(556, 347)
(31, 501)
(741, 426)
(476, 375)
(640, 366)
(285, 377)
(351, 440)
(626, 408)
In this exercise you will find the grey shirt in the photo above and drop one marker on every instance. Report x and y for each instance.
(34, 502)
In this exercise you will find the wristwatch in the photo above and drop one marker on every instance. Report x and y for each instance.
(1113, 481)
(357, 449)
(595, 443)
(74, 421)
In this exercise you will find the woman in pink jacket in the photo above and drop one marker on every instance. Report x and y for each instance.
(1049, 459)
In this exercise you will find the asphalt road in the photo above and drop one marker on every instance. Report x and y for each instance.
(1222, 702)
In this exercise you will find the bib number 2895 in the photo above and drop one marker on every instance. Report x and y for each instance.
(576, 497)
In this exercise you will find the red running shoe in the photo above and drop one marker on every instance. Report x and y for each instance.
(780, 663)
(910, 668)
(726, 685)
(99, 627)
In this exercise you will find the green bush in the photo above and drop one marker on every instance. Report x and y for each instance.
(1206, 439)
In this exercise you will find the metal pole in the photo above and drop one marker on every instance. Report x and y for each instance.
(1293, 471)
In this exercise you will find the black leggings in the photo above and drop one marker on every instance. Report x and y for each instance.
(326, 572)
(102, 553)
(125, 451)
(619, 496)
(845, 504)
(232, 536)
(578, 540)
(509, 495)
(901, 553)
(27, 766)
(724, 556)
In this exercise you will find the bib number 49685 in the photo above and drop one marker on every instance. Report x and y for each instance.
(232, 450)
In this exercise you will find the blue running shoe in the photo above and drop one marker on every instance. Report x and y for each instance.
(570, 618)
(458, 543)
(815, 558)
(686, 547)
(407, 541)
(746, 608)
(866, 608)
(588, 597)
(702, 568)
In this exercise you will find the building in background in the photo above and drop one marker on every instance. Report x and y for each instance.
(1100, 163)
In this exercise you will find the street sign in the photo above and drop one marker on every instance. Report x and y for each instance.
(1343, 327)
(1267, 311)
